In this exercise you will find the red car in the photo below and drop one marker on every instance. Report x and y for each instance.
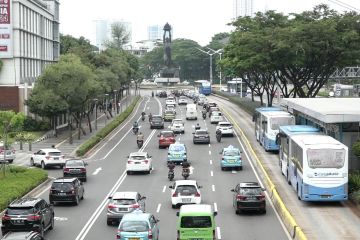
(166, 138)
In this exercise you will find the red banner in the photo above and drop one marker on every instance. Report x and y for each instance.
(4, 11)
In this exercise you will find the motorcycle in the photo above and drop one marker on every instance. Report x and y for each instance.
(142, 117)
(135, 130)
(171, 174)
(150, 117)
(185, 173)
(140, 143)
(218, 137)
(204, 115)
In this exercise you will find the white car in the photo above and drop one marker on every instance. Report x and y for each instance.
(216, 117)
(177, 125)
(47, 157)
(170, 102)
(183, 100)
(185, 192)
(139, 162)
(170, 107)
(226, 128)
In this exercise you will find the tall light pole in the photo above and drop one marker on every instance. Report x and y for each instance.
(96, 100)
(211, 52)
(116, 103)
(106, 107)
(220, 72)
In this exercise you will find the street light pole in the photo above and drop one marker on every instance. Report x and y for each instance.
(211, 52)
(116, 104)
(106, 107)
(95, 99)
(220, 71)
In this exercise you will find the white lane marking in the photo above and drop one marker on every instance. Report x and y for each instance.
(164, 188)
(215, 207)
(213, 187)
(210, 162)
(100, 208)
(218, 232)
(60, 219)
(209, 145)
(158, 208)
(211, 173)
(233, 171)
(209, 152)
(147, 140)
(97, 171)
(191, 168)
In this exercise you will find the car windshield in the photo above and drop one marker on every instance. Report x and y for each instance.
(196, 222)
(20, 211)
(78, 163)
(177, 148)
(134, 226)
(157, 118)
(167, 134)
(225, 125)
(138, 157)
(169, 112)
(216, 114)
(123, 201)
(250, 191)
(182, 97)
(55, 153)
(201, 133)
(186, 189)
(231, 153)
(177, 122)
(62, 186)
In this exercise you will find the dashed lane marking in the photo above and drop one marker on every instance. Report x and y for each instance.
(164, 189)
(211, 173)
(210, 162)
(158, 208)
(215, 207)
(213, 187)
(218, 232)
(209, 152)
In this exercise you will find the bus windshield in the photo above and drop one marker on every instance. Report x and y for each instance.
(276, 122)
(326, 158)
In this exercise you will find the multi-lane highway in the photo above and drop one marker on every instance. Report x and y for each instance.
(106, 174)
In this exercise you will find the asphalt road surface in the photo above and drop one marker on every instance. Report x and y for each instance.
(106, 174)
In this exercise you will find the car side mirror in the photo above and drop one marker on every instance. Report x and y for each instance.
(150, 156)
(143, 198)
(199, 187)
(86, 164)
(158, 135)
(232, 190)
(110, 197)
(157, 220)
(215, 214)
(177, 214)
(171, 187)
(81, 183)
(193, 133)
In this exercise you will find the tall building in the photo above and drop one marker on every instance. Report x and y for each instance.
(102, 29)
(155, 32)
(29, 40)
(243, 8)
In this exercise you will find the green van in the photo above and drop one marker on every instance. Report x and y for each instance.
(196, 222)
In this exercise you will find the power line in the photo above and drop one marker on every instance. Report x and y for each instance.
(344, 5)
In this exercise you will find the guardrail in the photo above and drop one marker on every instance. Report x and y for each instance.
(293, 228)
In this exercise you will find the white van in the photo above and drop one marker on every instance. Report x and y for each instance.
(191, 111)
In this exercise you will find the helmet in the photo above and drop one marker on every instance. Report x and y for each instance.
(140, 133)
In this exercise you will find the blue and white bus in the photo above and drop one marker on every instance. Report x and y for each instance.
(267, 122)
(283, 139)
(318, 168)
(203, 87)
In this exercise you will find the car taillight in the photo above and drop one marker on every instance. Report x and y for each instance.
(5, 218)
(150, 236)
(146, 161)
(47, 157)
(129, 162)
(161, 138)
(111, 206)
(135, 206)
(239, 197)
(118, 235)
(261, 197)
(175, 194)
(197, 194)
(83, 170)
(34, 218)
(72, 191)
(66, 170)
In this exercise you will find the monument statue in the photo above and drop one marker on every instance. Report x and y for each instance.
(167, 45)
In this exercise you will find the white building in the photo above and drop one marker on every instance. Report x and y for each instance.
(102, 32)
(29, 40)
(243, 8)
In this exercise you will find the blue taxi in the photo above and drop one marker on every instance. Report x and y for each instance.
(231, 158)
(138, 225)
(177, 153)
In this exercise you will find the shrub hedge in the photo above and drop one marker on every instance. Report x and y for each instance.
(354, 185)
(91, 142)
(245, 103)
(356, 148)
(18, 181)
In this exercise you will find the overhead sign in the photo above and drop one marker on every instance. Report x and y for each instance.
(6, 45)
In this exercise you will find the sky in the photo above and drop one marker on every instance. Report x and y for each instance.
(198, 20)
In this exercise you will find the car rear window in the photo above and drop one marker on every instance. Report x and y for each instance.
(156, 118)
(250, 191)
(225, 125)
(231, 153)
(134, 226)
(186, 189)
(201, 133)
(216, 113)
(167, 134)
(169, 112)
(141, 157)
(20, 211)
(74, 164)
(177, 148)
(124, 201)
(62, 186)
(195, 222)
(55, 153)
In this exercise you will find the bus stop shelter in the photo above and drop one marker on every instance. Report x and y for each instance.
(237, 86)
(337, 117)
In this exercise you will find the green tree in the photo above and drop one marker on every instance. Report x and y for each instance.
(120, 36)
(78, 46)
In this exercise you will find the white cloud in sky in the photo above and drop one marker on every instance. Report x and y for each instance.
(198, 20)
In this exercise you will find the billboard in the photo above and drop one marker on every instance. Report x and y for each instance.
(5, 29)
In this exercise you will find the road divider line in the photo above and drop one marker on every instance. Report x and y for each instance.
(210, 162)
(233, 171)
(209, 145)
(147, 140)
(158, 208)
(212, 173)
(100, 208)
(164, 188)
(209, 152)
(213, 187)
(218, 232)
(97, 171)
(215, 207)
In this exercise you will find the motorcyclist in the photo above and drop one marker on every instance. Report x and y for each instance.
(135, 125)
(185, 166)
(204, 112)
(197, 127)
(143, 116)
(218, 134)
(150, 116)
(152, 93)
(139, 137)
(171, 166)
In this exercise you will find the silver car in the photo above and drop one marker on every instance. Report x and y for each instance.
(122, 203)
(8, 152)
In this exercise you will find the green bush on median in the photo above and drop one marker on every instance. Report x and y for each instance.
(354, 186)
(90, 143)
(17, 182)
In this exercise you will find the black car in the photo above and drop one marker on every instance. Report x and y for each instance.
(75, 168)
(156, 122)
(249, 196)
(163, 94)
(28, 214)
(66, 190)
(201, 136)
(23, 236)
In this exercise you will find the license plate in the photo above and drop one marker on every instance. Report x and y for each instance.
(231, 161)
(251, 198)
(123, 209)
(62, 194)
(186, 200)
(134, 238)
(137, 162)
(56, 158)
(18, 222)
